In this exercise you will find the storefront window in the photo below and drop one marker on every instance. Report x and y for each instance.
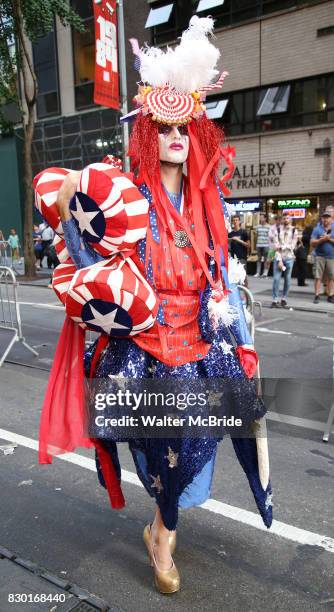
(224, 12)
(45, 65)
(75, 141)
(84, 56)
(296, 104)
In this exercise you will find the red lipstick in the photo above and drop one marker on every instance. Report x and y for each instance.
(176, 146)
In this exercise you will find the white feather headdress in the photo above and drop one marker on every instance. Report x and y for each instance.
(189, 66)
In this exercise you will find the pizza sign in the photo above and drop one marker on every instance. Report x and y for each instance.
(106, 87)
(296, 213)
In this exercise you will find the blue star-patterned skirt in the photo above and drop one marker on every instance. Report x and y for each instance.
(178, 472)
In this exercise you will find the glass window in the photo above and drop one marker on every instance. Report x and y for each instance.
(274, 100)
(216, 109)
(208, 4)
(84, 8)
(47, 104)
(225, 13)
(73, 142)
(84, 96)
(45, 65)
(159, 15)
(84, 56)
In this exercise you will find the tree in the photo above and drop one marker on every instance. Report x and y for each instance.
(20, 21)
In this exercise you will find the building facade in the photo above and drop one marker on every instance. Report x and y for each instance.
(277, 105)
(71, 130)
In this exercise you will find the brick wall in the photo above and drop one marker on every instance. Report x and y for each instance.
(278, 48)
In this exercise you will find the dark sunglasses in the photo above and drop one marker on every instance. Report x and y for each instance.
(165, 129)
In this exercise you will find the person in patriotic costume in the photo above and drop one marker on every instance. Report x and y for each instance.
(194, 325)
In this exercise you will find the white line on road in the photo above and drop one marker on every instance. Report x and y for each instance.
(289, 532)
(269, 321)
(273, 331)
(38, 305)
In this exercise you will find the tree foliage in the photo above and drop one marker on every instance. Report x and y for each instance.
(22, 21)
(32, 19)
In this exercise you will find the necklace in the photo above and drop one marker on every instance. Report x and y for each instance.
(180, 237)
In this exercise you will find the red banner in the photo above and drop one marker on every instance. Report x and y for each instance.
(106, 88)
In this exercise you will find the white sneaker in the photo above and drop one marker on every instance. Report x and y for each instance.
(256, 275)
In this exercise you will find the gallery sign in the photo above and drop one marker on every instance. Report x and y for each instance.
(252, 176)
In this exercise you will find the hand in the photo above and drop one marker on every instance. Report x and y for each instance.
(65, 193)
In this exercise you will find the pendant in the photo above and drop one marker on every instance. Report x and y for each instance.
(181, 239)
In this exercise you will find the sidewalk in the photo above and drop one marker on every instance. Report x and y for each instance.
(300, 298)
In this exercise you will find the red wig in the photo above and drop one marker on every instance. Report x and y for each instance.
(144, 143)
(205, 141)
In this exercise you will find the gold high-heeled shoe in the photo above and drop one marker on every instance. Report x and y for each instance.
(167, 580)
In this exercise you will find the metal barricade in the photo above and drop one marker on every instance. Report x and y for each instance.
(6, 258)
(10, 318)
(330, 422)
(259, 426)
(250, 305)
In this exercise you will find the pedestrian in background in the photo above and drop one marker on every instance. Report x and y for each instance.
(3, 244)
(301, 252)
(329, 209)
(47, 235)
(271, 238)
(262, 246)
(285, 240)
(301, 263)
(322, 240)
(239, 242)
(13, 241)
(38, 247)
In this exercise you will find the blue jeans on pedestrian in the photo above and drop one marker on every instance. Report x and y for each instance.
(287, 278)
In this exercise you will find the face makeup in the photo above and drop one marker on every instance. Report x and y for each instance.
(173, 143)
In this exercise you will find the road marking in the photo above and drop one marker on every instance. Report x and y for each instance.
(269, 321)
(289, 532)
(273, 331)
(38, 305)
(287, 419)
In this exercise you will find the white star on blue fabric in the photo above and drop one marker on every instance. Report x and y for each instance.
(268, 501)
(84, 218)
(105, 322)
(226, 347)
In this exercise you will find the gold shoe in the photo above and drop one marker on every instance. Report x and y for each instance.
(167, 580)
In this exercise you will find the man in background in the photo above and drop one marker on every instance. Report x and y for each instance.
(262, 246)
(285, 239)
(239, 242)
(322, 240)
(47, 236)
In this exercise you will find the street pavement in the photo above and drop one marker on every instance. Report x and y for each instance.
(58, 517)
